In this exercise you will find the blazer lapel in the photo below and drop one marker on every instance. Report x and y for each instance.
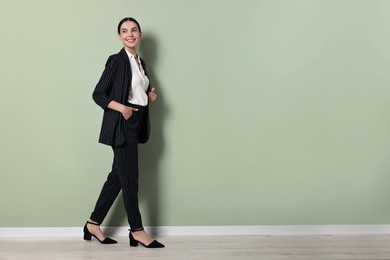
(126, 75)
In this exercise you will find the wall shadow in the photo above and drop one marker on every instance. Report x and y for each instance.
(150, 153)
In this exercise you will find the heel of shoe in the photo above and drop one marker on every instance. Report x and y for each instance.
(87, 234)
(133, 242)
(87, 237)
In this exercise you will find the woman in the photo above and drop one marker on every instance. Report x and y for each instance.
(124, 93)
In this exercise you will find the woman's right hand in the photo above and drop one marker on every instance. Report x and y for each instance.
(128, 112)
(124, 110)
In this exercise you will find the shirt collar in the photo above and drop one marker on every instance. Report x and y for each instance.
(131, 55)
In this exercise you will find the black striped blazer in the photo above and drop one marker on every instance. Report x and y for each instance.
(114, 84)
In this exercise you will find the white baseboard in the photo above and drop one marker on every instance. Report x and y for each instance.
(206, 230)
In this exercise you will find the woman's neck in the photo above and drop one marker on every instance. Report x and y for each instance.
(132, 51)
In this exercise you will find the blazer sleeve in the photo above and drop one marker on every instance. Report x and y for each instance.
(101, 93)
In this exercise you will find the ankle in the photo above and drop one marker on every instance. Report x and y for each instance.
(136, 230)
(93, 222)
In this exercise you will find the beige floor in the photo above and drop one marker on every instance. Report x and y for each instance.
(205, 247)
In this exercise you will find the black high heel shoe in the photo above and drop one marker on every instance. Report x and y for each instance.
(154, 244)
(88, 235)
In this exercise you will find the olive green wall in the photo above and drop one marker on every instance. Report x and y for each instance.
(269, 113)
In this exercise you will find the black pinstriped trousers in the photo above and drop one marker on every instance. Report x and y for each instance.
(123, 176)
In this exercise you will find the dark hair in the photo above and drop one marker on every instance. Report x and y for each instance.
(131, 19)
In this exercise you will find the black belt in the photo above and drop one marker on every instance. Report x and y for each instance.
(135, 106)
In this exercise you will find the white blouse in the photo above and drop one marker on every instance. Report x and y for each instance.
(139, 82)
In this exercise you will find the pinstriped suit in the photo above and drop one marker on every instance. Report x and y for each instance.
(123, 135)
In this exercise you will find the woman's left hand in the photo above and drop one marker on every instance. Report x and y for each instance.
(152, 96)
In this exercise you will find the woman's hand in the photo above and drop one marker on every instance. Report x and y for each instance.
(127, 112)
(152, 96)
(124, 110)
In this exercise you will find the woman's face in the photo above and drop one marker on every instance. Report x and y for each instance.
(130, 35)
